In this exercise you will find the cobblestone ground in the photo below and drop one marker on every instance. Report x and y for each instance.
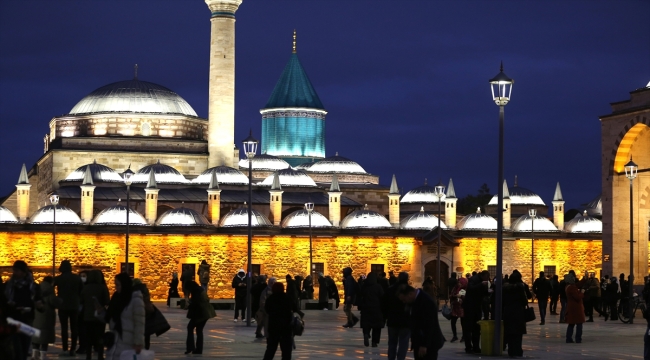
(324, 338)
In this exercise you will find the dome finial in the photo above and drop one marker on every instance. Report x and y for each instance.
(584, 213)
(337, 154)
(501, 66)
(365, 207)
(294, 41)
(135, 72)
(516, 182)
(425, 181)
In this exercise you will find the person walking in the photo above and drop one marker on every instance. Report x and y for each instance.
(477, 289)
(323, 293)
(81, 329)
(426, 335)
(611, 298)
(514, 305)
(562, 295)
(240, 283)
(126, 318)
(293, 293)
(542, 290)
(262, 318)
(397, 319)
(94, 293)
(372, 318)
(68, 286)
(592, 296)
(350, 288)
(45, 319)
(256, 292)
(555, 294)
(199, 312)
(173, 289)
(308, 287)
(23, 296)
(575, 314)
(204, 275)
(280, 314)
(456, 297)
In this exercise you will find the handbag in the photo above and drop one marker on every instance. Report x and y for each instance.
(156, 323)
(446, 311)
(529, 314)
(297, 325)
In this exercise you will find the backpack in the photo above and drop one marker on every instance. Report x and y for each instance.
(297, 325)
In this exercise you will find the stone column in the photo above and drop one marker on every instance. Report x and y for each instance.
(214, 206)
(151, 205)
(87, 203)
(22, 195)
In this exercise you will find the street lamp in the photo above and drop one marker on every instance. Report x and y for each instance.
(533, 214)
(501, 86)
(54, 199)
(250, 148)
(128, 179)
(310, 207)
(630, 172)
(439, 192)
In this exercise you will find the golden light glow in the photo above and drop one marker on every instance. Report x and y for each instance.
(623, 151)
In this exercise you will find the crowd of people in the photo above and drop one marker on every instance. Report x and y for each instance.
(85, 309)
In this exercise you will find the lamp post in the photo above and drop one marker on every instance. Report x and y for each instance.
(250, 148)
(310, 207)
(532, 213)
(501, 86)
(439, 192)
(128, 178)
(630, 172)
(54, 199)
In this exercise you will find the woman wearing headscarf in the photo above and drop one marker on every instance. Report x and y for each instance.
(199, 312)
(279, 309)
(126, 318)
(515, 301)
(456, 297)
(575, 314)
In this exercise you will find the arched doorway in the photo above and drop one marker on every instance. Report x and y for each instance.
(431, 269)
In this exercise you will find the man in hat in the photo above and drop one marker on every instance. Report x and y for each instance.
(239, 283)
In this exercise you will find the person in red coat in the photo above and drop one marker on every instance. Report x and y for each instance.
(575, 315)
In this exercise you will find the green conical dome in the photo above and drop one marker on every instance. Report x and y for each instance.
(294, 88)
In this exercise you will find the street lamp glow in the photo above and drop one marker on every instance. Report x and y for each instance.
(250, 146)
(631, 170)
(439, 192)
(501, 86)
(54, 199)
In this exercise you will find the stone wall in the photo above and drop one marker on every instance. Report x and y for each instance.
(156, 257)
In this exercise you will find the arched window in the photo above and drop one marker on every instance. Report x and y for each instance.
(146, 129)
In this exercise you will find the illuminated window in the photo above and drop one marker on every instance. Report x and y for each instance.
(492, 269)
(146, 129)
(549, 270)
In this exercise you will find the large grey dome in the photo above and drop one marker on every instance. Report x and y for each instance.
(365, 219)
(45, 215)
(265, 162)
(99, 173)
(300, 219)
(133, 96)
(239, 218)
(116, 215)
(164, 174)
(182, 217)
(225, 175)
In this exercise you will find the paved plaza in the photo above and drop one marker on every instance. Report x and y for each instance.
(324, 338)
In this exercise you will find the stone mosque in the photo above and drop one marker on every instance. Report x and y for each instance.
(187, 200)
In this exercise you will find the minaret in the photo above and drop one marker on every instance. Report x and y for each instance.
(335, 201)
(507, 211)
(22, 196)
(558, 208)
(214, 200)
(221, 95)
(393, 203)
(450, 205)
(87, 196)
(151, 203)
(276, 200)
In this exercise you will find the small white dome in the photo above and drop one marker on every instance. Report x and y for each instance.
(595, 206)
(182, 217)
(116, 215)
(99, 173)
(265, 162)
(423, 194)
(477, 222)
(239, 218)
(45, 215)
(421, 221)
(225, 175)
(164, 174)
(365, 219)
(335, 164)
(300, 219)
(290, 177)
(525, 224)
(520, 196)
(584, 223)
(6, 216)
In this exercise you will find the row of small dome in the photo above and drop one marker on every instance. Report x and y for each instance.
(426, 194)
(581, 223)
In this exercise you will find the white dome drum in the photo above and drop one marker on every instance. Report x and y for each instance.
(300, 219)
(477, 222)
(421, 221)
(225, 175)
(290, 177)
(6, 216)
(99, 173)
(335, 164)
(182, 217)
(583, 223)
(239, 218)
(133, 96)
(520, 196)
(164, 174)
(525, 223)
(423, 194)
(365, 219)
(265, 162)
(116, 215)
(45, 215)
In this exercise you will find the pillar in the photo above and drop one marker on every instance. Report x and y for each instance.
(87, 197)
(393, 204)
(276, 200)
(335, 202)
(558, 208)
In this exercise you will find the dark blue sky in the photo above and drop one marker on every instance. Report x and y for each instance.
(405, 83)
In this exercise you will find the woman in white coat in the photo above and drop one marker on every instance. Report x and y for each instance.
(126, 318)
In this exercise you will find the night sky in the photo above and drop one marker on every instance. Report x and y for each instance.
(405, 83)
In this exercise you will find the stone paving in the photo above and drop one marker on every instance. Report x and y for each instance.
(324, 338)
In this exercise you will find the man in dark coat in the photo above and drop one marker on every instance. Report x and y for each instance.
(514, 305)
(256, 291)
(562, 293)
(94, 293)
(23, 297)
(555, 294)
(426, 336)
(69, 288)
(383, 281)
(370, 301)
(294, 294)
(397, 319)
(542, 290)
(323, 292)
(477, 289)
(279, 309)
(350, 294)
(240, 283)
(392, 279)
